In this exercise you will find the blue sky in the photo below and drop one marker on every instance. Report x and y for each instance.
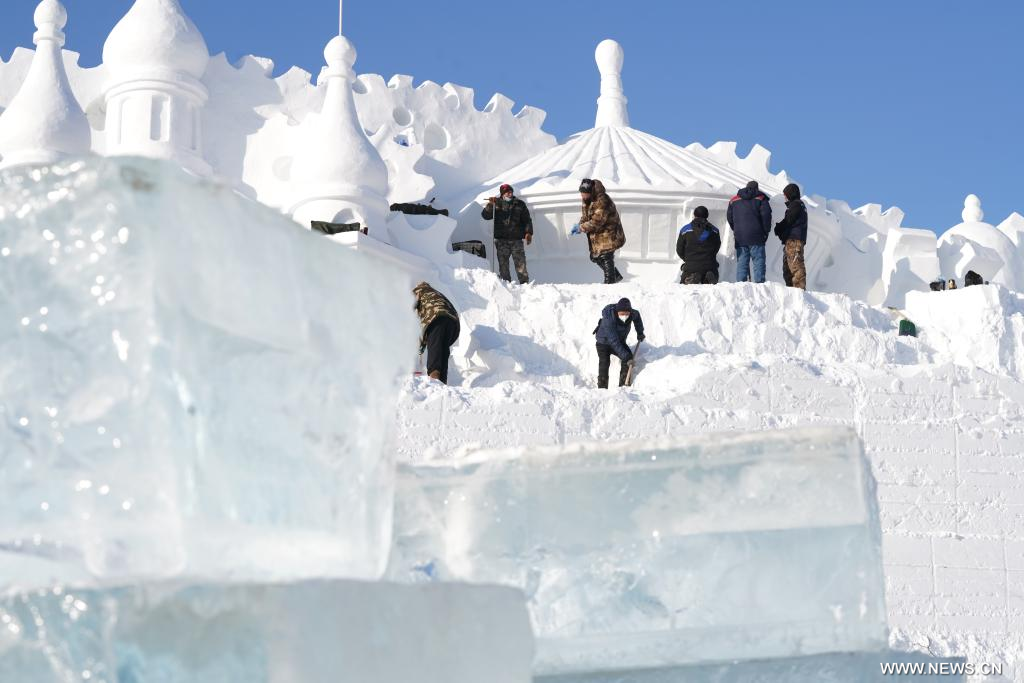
(901, 102)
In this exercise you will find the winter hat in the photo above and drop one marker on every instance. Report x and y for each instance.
(504, 188)
(587, 185)
(701, 212)
(791, 191)
(752, 185)
(623, 305)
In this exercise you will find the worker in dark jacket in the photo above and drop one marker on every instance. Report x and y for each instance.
(792, 231)
(697, 245)
(611, 331)
(440, 324)
(512, 225)
(600, 221)
(750, 217)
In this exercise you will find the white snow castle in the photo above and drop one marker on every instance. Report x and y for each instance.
(345, 147)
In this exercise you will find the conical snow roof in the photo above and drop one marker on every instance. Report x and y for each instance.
(623, 158)
(44, 121)
(620, 156)
(156, 36)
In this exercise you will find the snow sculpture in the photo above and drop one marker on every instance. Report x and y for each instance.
(909, 263)
(173, 358)
(713, 549)
(310, 632)
(611, 105)
(155, 58)
(44, 122)
(986, 238)
(434, 140)
(1013, 227)
(338, 175)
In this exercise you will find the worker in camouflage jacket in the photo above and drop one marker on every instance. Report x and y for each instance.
(792, 232)
(512, 226)
(601, 223)
(440, 323)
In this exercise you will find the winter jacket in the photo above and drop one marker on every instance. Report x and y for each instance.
(613, 332)
(430, 305)
(750, 217)
(600, 221)
(794, 225)
(511, 221)
(697, 245)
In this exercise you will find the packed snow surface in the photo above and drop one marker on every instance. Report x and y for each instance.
(648, 554)
(178, 392)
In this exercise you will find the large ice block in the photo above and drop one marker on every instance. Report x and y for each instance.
(708, 549)
(312, 632)
(190, 384)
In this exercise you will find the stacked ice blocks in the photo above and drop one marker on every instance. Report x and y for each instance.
(714, 548)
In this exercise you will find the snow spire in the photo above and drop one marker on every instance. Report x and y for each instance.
(972, 212)
(611, 105)
(44, 121)
(341, 7)
(337, 174)
(155, 58)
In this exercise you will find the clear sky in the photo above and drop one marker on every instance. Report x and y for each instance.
(897, 102)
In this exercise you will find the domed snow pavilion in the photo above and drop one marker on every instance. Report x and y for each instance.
(655, 185)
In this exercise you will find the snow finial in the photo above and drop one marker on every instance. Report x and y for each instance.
(611, 105)
(155, 36)
(337, 173)
(45, 121)
(972, 212)
(154, 60)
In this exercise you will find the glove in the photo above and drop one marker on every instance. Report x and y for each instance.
(529, 237)
(422, 349)
(640, 339)
(575, 229)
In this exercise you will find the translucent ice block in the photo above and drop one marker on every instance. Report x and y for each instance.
(708, 549)
(310, 632)
(190, 384)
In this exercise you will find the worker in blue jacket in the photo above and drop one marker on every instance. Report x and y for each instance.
(612, 331)
(750, 217)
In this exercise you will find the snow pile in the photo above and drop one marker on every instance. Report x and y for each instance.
(170, 361)
(542, 334)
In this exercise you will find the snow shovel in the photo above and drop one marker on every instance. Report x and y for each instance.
(632, 366)
(418, 372)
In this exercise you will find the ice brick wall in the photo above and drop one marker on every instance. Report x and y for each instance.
(946, 445)
(650, 554)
